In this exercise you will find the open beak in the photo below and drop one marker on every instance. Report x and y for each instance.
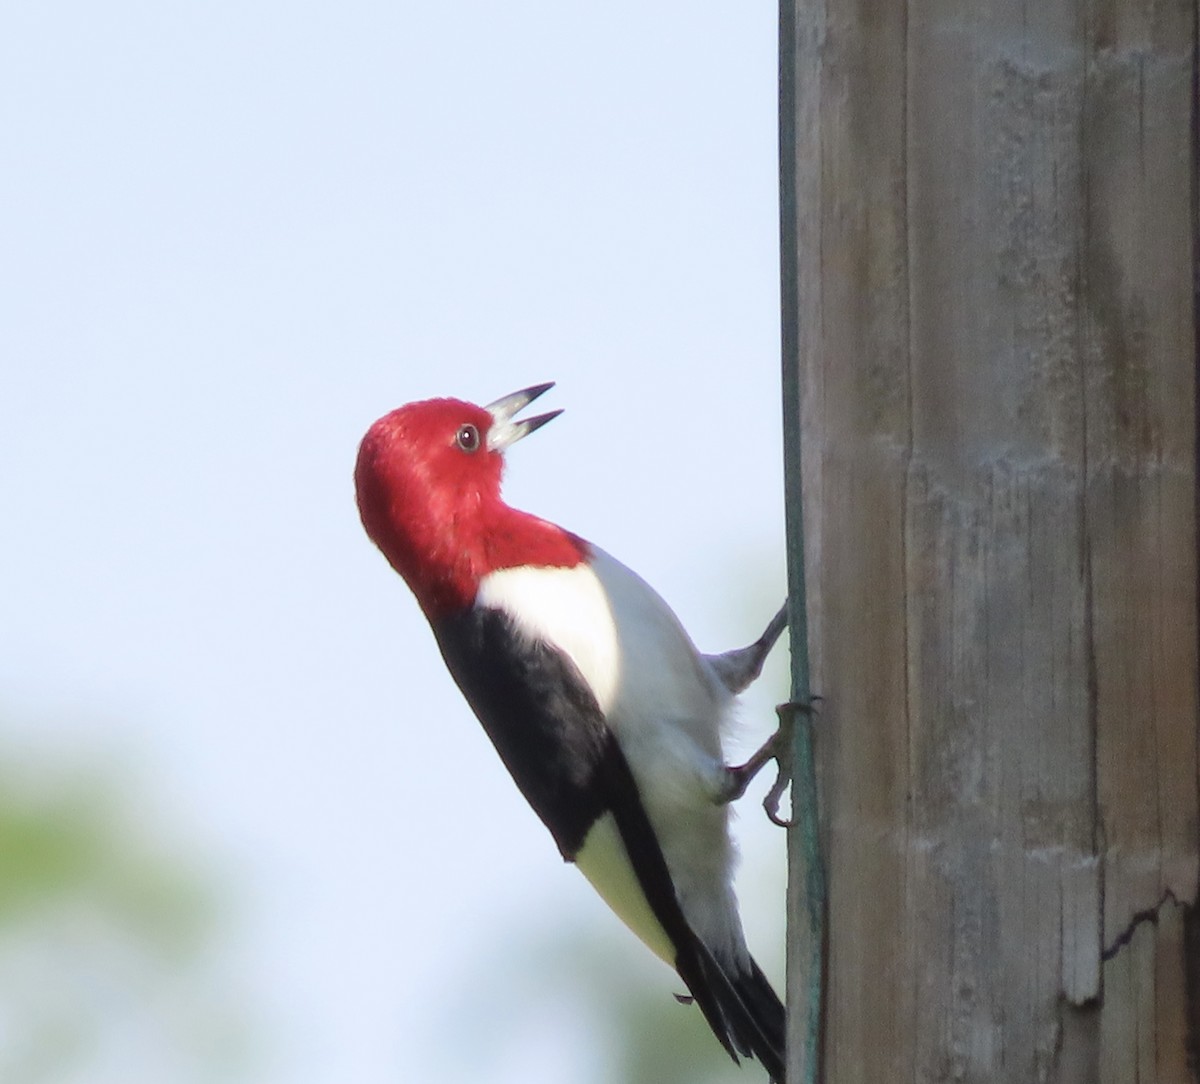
(504, 431)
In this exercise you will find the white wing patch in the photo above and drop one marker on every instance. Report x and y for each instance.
(604, 861)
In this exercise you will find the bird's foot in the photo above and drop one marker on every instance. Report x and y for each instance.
(778, 747)
(737, 669)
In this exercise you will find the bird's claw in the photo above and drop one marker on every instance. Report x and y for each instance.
(781, 741)
(778, 747)
(783, 736)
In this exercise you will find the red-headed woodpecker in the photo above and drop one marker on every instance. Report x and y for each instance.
(603, 711)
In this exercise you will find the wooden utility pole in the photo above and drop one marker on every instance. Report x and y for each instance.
(990, 273)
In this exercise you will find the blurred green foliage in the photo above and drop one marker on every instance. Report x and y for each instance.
(105, 932)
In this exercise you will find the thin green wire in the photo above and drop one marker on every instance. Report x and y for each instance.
(805, 846)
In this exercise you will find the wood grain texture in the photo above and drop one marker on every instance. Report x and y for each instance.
(997, 352)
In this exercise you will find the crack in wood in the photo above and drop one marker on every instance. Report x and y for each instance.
(1140, 918)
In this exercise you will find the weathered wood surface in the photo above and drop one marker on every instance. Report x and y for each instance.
(998, 356)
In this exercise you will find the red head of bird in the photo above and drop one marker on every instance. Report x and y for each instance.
(428, 485)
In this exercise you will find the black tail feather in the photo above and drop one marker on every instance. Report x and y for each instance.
(770, 1017)
(743, 1010)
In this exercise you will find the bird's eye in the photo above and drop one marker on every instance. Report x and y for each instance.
(467, 438)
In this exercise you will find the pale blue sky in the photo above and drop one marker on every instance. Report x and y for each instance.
(233, 234)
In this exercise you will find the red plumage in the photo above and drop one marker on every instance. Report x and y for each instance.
(434, 508)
